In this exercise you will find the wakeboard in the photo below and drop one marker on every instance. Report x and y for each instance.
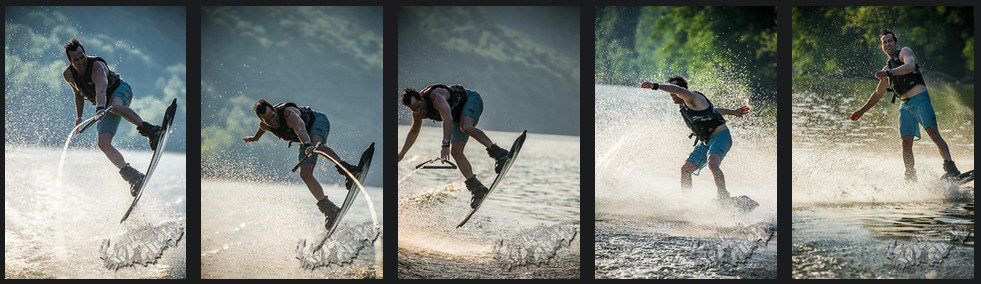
(512, 154)
(741, 204)
(364, 164)
(961, 187)
(167, 128)
(963, 178)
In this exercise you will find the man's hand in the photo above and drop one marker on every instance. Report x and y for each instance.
(648, 85)
(743, 110)
(250, 139)
(858, 114)
(77, 122)
(881, 74)
(444, 154)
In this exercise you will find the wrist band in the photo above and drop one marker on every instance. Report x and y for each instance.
(307, 145)
(446, 143)
(889, 72)
(98, 108)
(656, 86)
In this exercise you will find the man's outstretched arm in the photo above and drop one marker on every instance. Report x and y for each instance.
(739, 112)
(410, 138)
(873, 98)
(682, 93)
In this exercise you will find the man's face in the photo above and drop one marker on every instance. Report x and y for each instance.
(888, 43)
(77, 58)
(268, 116)
(417, 106)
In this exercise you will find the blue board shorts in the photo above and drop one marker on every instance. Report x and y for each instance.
(718, 144)
(320, 127)
(109, 123)
(916, 111)
(472, 108)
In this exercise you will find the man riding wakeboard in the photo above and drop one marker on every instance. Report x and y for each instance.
(459, 109)
(901, 75)
(91, 79)
(708, 128)
(302, 124)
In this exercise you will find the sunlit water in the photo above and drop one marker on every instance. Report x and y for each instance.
(251, 229)
(541, 191)
(56, 232)
(645, 226)
(854, 215)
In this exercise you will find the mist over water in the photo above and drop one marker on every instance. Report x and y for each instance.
(855, 216)
(837, 160)
(251, 230)
(641, 144)
(536, 206)
(57, 232)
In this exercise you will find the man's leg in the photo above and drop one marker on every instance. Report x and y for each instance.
(908, 158)
(469, 126)
(327, 150)
(476, 188)
(714, 163)
(686, 170)
(456, 150)
(939, 140)
(119, 108)
(306, 173)
(105, 144)
(695, 161)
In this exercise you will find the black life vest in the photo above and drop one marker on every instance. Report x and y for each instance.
(900, 84)
(284, 131)
(702, 122)
(84, 84)
(458, 97)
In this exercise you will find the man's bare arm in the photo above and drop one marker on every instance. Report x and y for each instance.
(738, 112)
(445, 112)
(79, 100)
(294, 121)
(260, 131)
(410, 138)
(909, 62)
(873, 99)
(682, 93)
(101, 81)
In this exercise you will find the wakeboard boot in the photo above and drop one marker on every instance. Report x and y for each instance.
(330, 211)
(355, 171)
(950, 171)
(499, 155)
(151, 132)
(478, 190)
(910, 175)
(723, 195)
(134, 177)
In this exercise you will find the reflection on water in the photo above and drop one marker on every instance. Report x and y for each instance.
(933, 222)
(895, 240)
(540, 191)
